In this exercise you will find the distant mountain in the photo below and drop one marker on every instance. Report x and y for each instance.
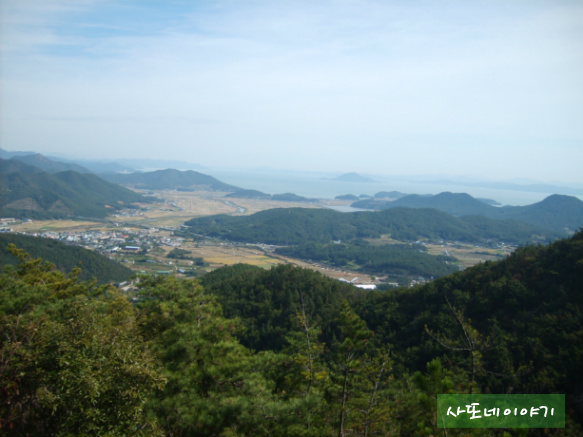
(7, 154)
(159, 164)
(532, 187)
(557, 212)
(98, 167)
(254, 194)
(48, 165)
(352, 177)
(391, 195)
(59, 195)
(290, 197)
(65, 257)
(16, 166)
(346, 197)
(169, 179)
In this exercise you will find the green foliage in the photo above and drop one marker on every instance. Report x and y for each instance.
(394, 260)
(215, 386)
(511, 326)
(72, 360)
(267, 302)
(64, 257)
(177, 253)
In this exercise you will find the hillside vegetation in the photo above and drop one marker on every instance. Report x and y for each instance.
(287, 351)
(292, 226)
(558, 212)
(28, 194)
(64, 257)
(169, 179)
(395, 260)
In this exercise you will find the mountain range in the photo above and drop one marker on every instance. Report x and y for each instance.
(27, 191)
(39, 187)
(41, 162)
(557, 212)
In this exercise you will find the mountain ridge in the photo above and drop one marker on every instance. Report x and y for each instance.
(169, 179)
(27, 193)
(558, 212)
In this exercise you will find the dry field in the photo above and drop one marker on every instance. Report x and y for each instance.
(469, 256)
(59, 226)
(176, 207)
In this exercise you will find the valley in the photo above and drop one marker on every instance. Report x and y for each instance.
(151, 226)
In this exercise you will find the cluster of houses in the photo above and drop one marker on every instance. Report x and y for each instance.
(113, 241)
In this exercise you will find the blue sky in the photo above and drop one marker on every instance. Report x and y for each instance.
(487, 89)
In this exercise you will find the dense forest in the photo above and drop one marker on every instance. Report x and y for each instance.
(64, 257)
(396, 261)
(292, 226)
(286, 351)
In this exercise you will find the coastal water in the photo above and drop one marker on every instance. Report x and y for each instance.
(322, 186)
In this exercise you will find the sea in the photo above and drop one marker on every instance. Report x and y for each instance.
(324, 186)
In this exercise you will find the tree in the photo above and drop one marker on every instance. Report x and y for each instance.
(215, 385)
(72, 359)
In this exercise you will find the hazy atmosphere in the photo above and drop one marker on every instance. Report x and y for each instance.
(487, 89)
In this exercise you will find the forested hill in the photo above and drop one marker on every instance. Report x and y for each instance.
(557, 212)
(169, 179)
(292, 226)
(26, 193)
(513, 326)
(327, 359)
(64, 257)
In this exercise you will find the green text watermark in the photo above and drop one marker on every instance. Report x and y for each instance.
(501, 411)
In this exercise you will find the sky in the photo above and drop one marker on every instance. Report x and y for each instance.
(489, 89)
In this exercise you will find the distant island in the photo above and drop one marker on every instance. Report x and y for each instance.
(254, 194)
(352, 177)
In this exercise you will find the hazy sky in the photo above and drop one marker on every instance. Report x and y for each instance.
(477, 88)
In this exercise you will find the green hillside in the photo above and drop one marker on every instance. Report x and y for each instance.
(60, 195)
(16, 166)
(292, 226)
(254, 194)
(513, 326)
(169, 179)
(64, 257)
(557, 212)
(49, 165)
